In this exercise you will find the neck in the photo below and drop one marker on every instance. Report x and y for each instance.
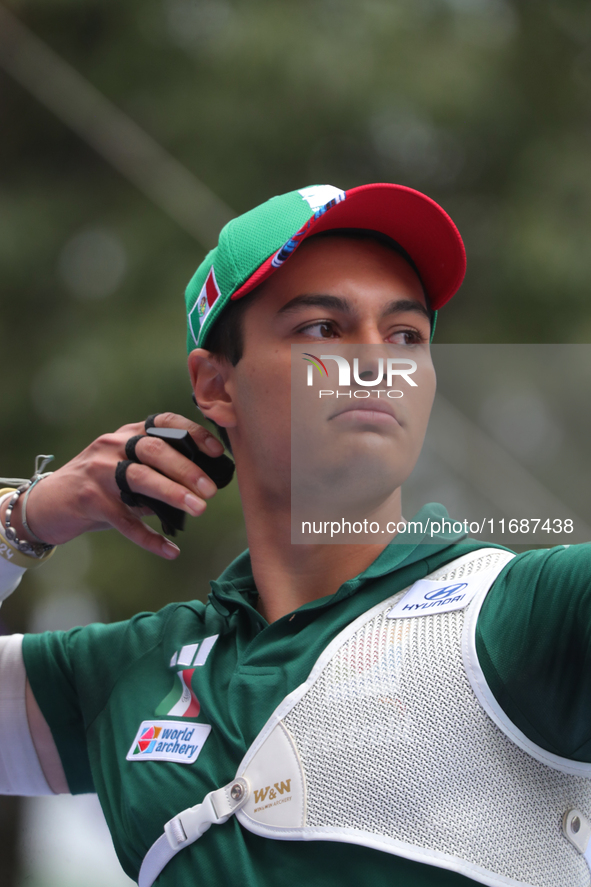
(289, 575)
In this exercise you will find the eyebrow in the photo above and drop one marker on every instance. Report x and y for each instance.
(337, 303)
(317, 300)
(398, 305)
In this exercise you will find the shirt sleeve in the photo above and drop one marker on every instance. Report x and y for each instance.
(72, 675)
(533, 640)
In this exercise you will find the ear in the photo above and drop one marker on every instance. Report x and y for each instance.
(209, 378)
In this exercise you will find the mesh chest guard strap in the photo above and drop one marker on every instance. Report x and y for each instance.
(388, 745)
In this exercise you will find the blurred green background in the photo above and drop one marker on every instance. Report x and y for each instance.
(483, 104)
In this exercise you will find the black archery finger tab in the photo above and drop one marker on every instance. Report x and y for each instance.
(219, 468)
(130, 448)
(150, 421)
(172, 519)
(121, 481)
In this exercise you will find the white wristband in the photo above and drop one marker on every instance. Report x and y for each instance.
(20, 770)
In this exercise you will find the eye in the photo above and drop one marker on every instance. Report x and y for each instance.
(406, 337)
(322, 329)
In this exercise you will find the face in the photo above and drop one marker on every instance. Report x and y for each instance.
(332, 294)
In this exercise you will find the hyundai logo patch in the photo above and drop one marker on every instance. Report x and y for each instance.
(443, 593)
(428, 597)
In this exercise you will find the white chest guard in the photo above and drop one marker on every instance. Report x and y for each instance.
(395, 742)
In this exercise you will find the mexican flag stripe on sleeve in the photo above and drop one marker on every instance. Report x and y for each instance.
(181, 701)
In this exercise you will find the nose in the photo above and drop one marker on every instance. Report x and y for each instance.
(369, 367)
(368, 375)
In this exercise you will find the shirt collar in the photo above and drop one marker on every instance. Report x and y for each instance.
(235, 589)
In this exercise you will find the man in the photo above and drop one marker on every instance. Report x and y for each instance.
(485, 757)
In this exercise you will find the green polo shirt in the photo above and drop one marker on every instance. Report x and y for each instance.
(97, 685)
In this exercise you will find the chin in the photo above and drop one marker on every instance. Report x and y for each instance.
(365, 481)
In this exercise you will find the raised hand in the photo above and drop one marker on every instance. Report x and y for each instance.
(83, 495)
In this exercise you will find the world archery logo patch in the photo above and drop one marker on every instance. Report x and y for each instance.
(174, 741)
(181, 702)
(148, 740)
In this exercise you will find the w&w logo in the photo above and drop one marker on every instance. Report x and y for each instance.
(270, 792)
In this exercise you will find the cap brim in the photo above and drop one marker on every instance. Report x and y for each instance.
(414, 220)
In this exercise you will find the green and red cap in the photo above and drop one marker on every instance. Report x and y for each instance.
(256, 244)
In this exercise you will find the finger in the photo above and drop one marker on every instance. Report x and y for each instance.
(144, 480)
(134, 529)
(204, 439)
(158, 454)
(131, 428)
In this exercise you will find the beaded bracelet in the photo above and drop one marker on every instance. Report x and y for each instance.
(39, 549)
(34, 480)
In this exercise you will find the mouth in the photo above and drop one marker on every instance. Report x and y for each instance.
(370, 410)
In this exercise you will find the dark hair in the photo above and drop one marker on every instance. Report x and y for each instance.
(226, 340)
